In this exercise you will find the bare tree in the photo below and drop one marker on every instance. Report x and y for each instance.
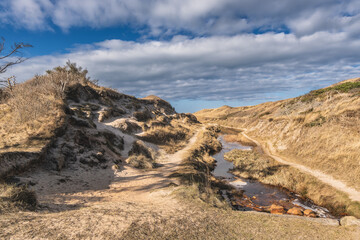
(10, 58)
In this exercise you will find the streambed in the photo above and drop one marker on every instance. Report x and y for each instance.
(250, 194)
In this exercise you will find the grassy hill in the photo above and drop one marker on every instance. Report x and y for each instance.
(81, 161)
(63, 120)
(319, 130)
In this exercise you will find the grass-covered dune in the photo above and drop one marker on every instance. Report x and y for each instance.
(319, 130)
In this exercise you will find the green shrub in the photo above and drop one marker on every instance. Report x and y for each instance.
(344, 88)
(264, 113)
(317, 122)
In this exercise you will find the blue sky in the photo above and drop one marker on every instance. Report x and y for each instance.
(194, 53)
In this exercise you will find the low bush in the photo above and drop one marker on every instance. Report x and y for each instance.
(13, 198)
(167, 134)
(141, 156)
(139, 148)
(142, 116)
(343, 88)
(35, 109)
(140, 161)
(317, 122)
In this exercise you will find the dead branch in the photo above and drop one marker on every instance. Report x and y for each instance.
(14, 54)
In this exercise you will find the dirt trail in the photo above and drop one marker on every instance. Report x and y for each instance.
(134, 185)
(338, 184)
(134, 196)
(139, 184)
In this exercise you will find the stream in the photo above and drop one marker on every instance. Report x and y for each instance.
(248, 194)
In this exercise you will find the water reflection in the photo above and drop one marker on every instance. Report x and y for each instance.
(253, 195)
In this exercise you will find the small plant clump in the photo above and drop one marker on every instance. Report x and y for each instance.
(140, 161)
(141, 156)
(13, 198)
(142, 116)
(264, 114)
(317, 122)
(165, 135)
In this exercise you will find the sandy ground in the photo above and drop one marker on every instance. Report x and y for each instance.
(79, 198)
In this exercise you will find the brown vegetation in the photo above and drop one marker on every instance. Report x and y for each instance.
(140, 161)
(142, 116)
(13, 198)
(171, 136)
(141, 156)
(240, 139)
(197, 166)
(33, 110)
(164, 135)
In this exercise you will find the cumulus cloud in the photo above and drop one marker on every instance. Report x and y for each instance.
(29, 14)
(200, 17)
(241, 67)
(218, 49)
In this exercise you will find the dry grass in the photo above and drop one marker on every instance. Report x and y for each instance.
(195, 171)
(164, 135)
(172, 137)
(321, 133)
(141, 156)
(240, 139)
(212, 223)
(126, 220)
(33, 110)
(140, 161)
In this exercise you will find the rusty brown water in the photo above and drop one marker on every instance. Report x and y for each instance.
(257, 193)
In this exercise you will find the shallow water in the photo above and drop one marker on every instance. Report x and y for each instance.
(260, 194)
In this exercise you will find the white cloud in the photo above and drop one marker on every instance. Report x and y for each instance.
(29, 14)
(215, 17)
(226, 53)
(219, 67)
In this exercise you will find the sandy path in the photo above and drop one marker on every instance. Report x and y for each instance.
(127, 183)
(338, 184)
(139, 185)
(134, 196)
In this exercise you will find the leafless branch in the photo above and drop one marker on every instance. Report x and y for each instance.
(14, 54)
